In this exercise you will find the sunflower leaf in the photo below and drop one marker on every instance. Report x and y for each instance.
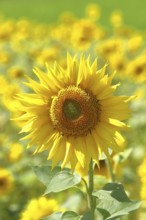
(113, 202)
(87, 216)
(70, 215)
(54, 216)
(57, 179)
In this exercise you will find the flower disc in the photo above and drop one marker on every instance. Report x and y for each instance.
(74, 111)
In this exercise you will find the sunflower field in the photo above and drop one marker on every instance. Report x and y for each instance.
(72, 110)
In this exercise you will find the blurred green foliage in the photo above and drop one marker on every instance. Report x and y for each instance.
(49, 10)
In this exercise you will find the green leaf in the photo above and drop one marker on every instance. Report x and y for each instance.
(70, 215)
(104, 213)
(54, 216)
(117, 191)
(56, 179)
(114, 202)
(86, 216)
(122, 156)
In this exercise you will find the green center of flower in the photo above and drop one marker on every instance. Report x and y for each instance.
(71, 109)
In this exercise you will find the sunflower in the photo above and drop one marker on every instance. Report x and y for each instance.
(39, 208)
(142, 175)
(15, 151)
(73, 113)
(137, 68)
(6, 181)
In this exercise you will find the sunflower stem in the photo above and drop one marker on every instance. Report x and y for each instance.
(110, 170)
(85, 183)
(91, 200)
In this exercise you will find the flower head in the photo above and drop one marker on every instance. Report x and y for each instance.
(116, 19)
(73, 113)
(6, 181)
(135, 43)
(16, 72)
(39, 208)
(142, 175)
(15, 151)
(136, 68)
(93, 11)
(9, 94)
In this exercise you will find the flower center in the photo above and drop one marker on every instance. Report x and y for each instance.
(71, 109)
(74, 111)
(2, 182)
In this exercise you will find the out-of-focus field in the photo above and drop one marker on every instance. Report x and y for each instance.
(36, 32)
(49, 10)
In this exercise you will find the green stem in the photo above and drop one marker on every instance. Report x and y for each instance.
(84, 181)
(90, 189)
(110, 170)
